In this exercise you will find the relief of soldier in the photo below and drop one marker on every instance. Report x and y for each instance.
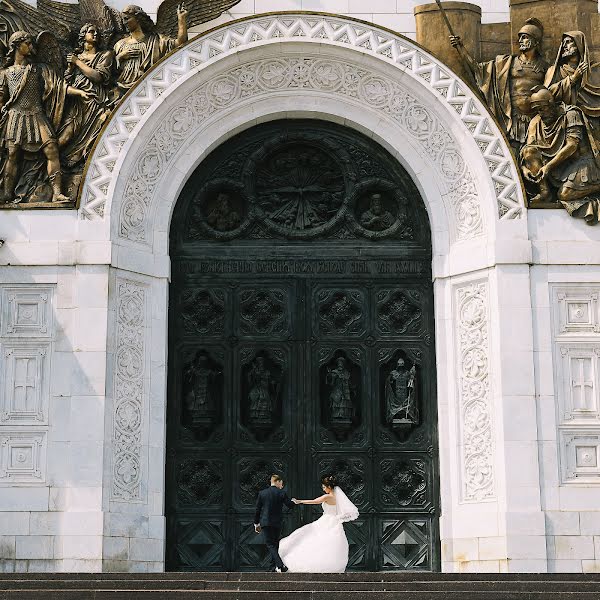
(55, 98)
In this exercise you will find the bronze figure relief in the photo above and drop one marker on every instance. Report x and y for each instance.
(56, 95)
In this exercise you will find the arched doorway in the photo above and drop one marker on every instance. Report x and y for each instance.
(301, 341)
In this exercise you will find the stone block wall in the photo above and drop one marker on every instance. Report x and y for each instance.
(52, 368)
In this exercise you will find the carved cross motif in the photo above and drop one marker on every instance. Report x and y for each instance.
(24, 380)
(581, 385)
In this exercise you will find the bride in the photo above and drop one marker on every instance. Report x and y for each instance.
(321, 546)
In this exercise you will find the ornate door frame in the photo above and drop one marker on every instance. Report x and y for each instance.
(386, 86)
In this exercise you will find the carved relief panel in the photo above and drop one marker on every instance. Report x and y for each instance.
(26, 312)
(26, 374)
(26, 336)
(576, 341)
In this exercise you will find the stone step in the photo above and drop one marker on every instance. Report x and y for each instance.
(299, 586)
(292, 584)
(262, 576)
(83, 594)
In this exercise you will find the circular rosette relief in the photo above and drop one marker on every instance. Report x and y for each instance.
(298, 185)
(380, 209)
(220, 210)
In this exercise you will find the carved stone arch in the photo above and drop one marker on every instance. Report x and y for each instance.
(386, 87)
(307, 65)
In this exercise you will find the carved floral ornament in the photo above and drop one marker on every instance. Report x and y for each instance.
(329, 77)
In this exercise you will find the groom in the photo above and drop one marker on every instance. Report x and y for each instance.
(268, 518)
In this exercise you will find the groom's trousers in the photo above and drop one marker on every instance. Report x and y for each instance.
(272, 541)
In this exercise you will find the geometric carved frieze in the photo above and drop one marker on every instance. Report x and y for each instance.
(22, 456)
(577, 382)
(475, 407)
(576, 310)
(24, 392)
(129, 392)
(580, 456)
(26, 312)
(453, 97)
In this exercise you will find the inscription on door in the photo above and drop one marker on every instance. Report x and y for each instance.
(301, 343)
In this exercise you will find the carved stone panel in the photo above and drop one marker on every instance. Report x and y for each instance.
(580, 456)
(129, 390)
(578, 372)
(22, 456)
(26, 312)
(577, 310)
(475, 402)
(24, 399)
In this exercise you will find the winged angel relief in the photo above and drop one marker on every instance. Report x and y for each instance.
(64, 69)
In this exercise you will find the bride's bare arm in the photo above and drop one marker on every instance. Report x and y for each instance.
(318, 500)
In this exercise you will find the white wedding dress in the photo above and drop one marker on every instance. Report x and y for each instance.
(320, 546)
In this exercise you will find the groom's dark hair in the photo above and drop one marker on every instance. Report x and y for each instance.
(276, 478)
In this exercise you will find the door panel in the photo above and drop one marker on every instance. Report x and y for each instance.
(301, 346)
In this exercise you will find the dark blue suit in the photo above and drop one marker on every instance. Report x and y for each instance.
(269, 506)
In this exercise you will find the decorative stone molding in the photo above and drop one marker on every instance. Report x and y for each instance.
(475, 410)
(26, 312)
(24, 400)
(129, 394)
(580, 457)
(325, 76)
(576, 344)
(22, 456)
(450, 92)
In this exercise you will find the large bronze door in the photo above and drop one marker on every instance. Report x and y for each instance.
(301, 343)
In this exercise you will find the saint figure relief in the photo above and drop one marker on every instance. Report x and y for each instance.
(506, 81)
(572, 79)
(200, 378)
(400, 395)
(340, 396)
(222, 217)
(377, 218)
(90, 70)
(263, 393)
(144, 46)
(32, 101)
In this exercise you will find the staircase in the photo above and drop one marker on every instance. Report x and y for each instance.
(255, 586)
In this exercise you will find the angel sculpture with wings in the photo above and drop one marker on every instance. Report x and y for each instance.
(144, 47)
(89, 69)
(32, 100)
(50, 118)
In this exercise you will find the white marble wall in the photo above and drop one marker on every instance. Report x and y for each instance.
(53, 366)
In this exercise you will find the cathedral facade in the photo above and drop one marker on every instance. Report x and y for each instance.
(307, 243)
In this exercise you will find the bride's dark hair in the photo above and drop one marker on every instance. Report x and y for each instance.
(329, 480)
